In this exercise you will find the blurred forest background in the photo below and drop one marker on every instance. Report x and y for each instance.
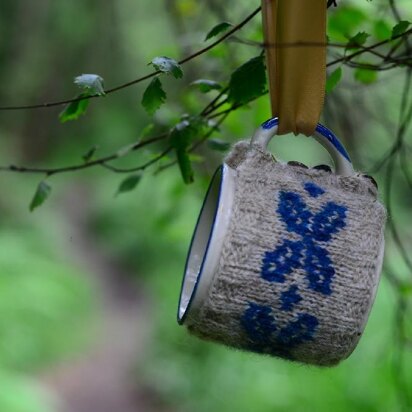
(89, 281)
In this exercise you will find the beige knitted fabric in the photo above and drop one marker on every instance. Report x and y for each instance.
(300, 263)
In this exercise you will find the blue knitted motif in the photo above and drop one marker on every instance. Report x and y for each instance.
(310, 254)
(313, 190)
(259, 323)
(290, 298)
(278, 264)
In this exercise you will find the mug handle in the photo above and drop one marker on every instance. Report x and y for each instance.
(340, 157)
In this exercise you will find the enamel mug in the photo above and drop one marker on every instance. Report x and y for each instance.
(284, 260)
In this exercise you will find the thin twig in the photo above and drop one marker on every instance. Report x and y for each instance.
(85, 165)
(368, 48)
(140, 79)
(203, 51)
(139, 168)
(211, 106)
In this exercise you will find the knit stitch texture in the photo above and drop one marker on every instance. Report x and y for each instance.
(300, 264)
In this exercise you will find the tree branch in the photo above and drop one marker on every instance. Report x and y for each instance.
(140, 79)
(85, 165)
(199, 53)
(368, 48)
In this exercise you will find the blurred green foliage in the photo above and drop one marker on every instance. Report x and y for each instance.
(48, 308)
(20, 394)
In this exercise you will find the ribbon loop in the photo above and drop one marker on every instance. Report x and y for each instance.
(295, 37)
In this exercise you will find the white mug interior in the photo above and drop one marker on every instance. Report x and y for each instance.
(207, 242)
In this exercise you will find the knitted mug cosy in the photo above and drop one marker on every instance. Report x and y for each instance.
(300, 263)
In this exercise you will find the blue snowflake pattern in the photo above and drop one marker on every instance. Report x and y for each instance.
(259, 324)
(277, 264)
(290, 298)
(309, 254)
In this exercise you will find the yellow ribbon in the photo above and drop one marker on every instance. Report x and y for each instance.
(295, 32)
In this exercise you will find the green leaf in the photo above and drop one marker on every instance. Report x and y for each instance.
(344, 21)
(205, 86)
(129, 184)
(75, 109)
(168, 66)
(366, 76)
(406, 289)
(218, 29)
(42, 193)
(185, 166)
(218, 145)
(154, 96)
(186, 131)
(91, 83)
(333, 79)
(357, 40)
(89, 155)
(382, 30)
(248, 81)
(400, 28)
(147, 130)
(180, 138)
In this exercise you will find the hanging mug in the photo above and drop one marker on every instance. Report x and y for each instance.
(284, 260)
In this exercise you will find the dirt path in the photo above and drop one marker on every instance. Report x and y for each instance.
(105, 378)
